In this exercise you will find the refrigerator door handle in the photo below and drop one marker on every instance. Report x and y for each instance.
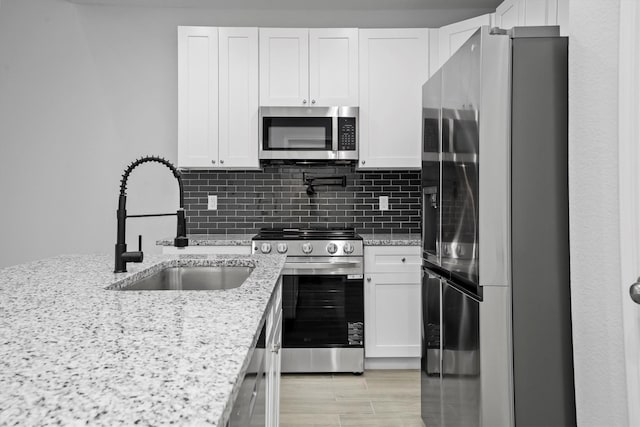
(436, 269)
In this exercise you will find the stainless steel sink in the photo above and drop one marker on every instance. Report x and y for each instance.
(192, 279)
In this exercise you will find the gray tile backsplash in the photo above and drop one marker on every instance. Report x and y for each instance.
(276, 197)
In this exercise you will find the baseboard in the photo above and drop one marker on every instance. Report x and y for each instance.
(392, 363)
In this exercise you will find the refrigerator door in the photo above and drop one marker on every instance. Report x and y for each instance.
(460, 161)
(431, 170)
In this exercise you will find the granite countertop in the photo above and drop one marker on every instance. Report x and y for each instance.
(383, 239)
(213, 240)
(391, 239)
(73, 352)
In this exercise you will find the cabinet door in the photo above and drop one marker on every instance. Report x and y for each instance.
(333, 66)
(238, 135)
(451, 37)
(512, 13)
(284, 66)
(392, 315)
(197, 96)
(274, 326)
(393, 67)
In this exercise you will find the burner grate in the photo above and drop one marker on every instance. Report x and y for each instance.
(300, 233)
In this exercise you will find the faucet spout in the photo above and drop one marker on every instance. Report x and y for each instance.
(122, 257)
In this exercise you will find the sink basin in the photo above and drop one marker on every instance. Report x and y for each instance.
(192, 279)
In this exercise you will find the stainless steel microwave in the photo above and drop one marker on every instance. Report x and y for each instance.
(309, 133)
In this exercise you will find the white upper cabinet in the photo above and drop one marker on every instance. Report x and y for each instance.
(452, 36)
(197, 96)
(333, 66)
(512, 13)
(302, 67)
(238, 74)
(393, 68)
(284, 66)
(217, 97)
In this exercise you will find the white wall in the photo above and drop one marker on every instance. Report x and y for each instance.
(593, 180)
(66, 134)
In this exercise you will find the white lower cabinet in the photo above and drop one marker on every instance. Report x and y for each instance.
(392, 306)
(273, 346)
(258, 399)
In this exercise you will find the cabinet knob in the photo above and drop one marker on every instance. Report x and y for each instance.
(363, 162)
(313, 101)
(368, 279)
(222, 162)
(304, 101)
(634, 291)
(404, 259)
(213, 162)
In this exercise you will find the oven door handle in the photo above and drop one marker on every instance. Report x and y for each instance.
(323, 268)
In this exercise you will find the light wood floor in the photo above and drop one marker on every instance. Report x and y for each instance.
(389, 398)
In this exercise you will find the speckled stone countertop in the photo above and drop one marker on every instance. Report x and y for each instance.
(73, 352)
(395, 239)
(387, 239)
(213, 240)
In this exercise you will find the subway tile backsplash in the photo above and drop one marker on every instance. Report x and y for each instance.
(276, 197)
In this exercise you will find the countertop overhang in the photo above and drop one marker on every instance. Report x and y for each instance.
(74, 352)
(369, 239)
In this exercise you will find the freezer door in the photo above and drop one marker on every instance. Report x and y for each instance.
(461, 386)
(431, 363)
(450, 368)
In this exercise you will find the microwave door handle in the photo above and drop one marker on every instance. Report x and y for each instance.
(334, 133)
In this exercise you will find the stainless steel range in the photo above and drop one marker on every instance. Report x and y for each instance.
(323, 297)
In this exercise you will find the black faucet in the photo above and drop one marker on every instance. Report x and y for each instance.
(122, 256)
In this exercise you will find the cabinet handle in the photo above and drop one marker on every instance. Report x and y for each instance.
(363, 162)
(313, 101)
(213, 162)
(304, 101)
(404, 259)
(222, 162)
(368, 279)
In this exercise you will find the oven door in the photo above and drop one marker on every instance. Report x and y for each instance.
(323, 317)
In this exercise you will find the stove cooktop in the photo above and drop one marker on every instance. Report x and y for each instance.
(307, 234)
(309, 242)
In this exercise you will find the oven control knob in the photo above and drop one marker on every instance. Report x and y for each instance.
(348, 248)
(282, 248)
(332, 248)
(265, 248)
(307, 248)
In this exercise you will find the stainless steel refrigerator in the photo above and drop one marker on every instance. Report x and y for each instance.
(497, 347)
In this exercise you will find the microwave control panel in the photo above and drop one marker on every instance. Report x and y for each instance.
(346, 133)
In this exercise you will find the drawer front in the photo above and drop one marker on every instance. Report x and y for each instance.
(391, 259)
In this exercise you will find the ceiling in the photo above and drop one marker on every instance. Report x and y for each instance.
(364, 5)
